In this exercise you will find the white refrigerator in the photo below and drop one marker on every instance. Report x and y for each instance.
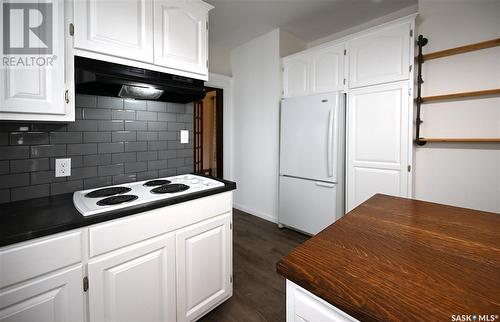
(312, 145)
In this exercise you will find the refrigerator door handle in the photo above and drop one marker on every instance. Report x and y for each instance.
(325, 185)
(330, 144)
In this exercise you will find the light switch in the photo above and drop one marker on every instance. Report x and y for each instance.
(63, 167)
(184, 136)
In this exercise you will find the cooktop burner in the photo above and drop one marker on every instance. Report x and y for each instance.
(106, 192)
(153, 183)
(116, 200)
(170, 188)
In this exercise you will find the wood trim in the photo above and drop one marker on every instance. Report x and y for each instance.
(462, 49)
(463, 140)
(488, 92)
(219, 130)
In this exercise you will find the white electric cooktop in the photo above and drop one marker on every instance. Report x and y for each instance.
(100, 200)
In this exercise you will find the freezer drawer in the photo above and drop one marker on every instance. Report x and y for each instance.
(307, 205)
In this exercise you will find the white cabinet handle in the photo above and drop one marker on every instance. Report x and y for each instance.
(66, 96)
(325, 185)
(329, 143)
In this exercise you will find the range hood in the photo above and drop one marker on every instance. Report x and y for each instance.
(97, 77)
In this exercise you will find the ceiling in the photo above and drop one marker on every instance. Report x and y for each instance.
(234, 22)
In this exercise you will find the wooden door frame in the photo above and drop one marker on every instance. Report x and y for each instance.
(219, 130)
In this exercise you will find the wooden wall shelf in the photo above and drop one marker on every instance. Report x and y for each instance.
(488, 92)
(461, 140)
(462, 49)
(420, 59)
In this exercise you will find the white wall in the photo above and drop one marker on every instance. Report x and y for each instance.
(466, 175)
(256, 88)
(290, 44)
(219, 58)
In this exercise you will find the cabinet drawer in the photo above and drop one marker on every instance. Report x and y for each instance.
(34, 258)
(305, 306)
(122, 232)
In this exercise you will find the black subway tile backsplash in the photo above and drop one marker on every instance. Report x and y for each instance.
(40, 151)
(65, 137)
(112, 141)
(14, 152)
(110, 170)
(65, 187)
(28, 138)
(29, 165)
(96, 137)
(14, 180)
(4, 167)
(29, 192)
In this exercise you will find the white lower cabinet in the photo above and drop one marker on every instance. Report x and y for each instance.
(204, 267)
(54, 297)
(136, 283)
(303, 306)
(166, 264)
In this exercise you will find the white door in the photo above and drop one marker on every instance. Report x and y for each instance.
(136, 283)
(122, 28)
(380, 57)
(327, 69)
(309, 206)
(377, 142)
(37, 92)
(296, 76)
(204, 263)
(181, 35)
(55, 297)
(309, 137)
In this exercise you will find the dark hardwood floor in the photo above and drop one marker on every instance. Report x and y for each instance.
(258, 291)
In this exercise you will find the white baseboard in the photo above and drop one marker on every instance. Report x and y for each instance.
(255, 213)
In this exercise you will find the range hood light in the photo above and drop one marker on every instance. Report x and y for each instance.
(137, 92)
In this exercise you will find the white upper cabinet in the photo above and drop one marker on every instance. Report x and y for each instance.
(296, 75)
(169, 36)
(136, 283)
(378, 143)
(381, 56)
(204, 265)
(181, 35)
(313, 72)
(327, 69)
(43, 91)
(121, 28)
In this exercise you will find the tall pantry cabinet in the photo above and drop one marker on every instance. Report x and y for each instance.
(374, 68)
(379, 117)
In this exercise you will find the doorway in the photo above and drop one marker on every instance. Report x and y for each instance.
(208, 133)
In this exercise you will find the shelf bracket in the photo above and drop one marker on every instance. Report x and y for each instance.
(421, 42)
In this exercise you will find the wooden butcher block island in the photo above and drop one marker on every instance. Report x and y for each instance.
(394, 259)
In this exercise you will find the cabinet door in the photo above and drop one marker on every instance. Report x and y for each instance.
(54, 297)
(181, 35)
(302, 306)
(121, 28)
(380, 57)
(327, 69)
(377, 142)
(136, 283)
(296, 76)
(36, 91)
(204, 261)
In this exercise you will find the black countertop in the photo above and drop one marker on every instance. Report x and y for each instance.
(29, 219)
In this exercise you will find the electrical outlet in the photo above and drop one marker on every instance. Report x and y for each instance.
(184, 136)
(63, 167)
